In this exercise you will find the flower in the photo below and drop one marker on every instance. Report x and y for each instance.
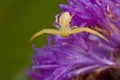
(63, 62)
(64, 58)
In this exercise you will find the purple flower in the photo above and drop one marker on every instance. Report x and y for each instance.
(64, 58)
(67, 61)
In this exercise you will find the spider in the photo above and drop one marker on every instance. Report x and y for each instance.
(64, 28)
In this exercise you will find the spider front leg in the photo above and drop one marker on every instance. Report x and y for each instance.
(48, 31)
(77, 30)
(56, 18)
(56, 23)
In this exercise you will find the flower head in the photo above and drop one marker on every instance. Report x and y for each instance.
(64, 58)
(64, 62)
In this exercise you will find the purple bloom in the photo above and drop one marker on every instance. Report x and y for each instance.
(67, 61)
(64, 58)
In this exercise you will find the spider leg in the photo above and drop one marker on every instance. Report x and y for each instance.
(48, 31)
(76, 30)
(56, 23)
(56, 18)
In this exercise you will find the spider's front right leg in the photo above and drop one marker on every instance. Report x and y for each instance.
(77, 30)
(48, 31)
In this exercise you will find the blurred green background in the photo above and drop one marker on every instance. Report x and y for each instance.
(19, 20)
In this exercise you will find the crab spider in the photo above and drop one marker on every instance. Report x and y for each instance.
(64, 28)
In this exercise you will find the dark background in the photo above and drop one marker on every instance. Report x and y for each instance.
(19, 20)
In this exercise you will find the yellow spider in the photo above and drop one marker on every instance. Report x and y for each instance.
(64, 28)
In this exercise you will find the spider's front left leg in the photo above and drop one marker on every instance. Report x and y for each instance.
(56, 23)
(48, 31)
(77, 30)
